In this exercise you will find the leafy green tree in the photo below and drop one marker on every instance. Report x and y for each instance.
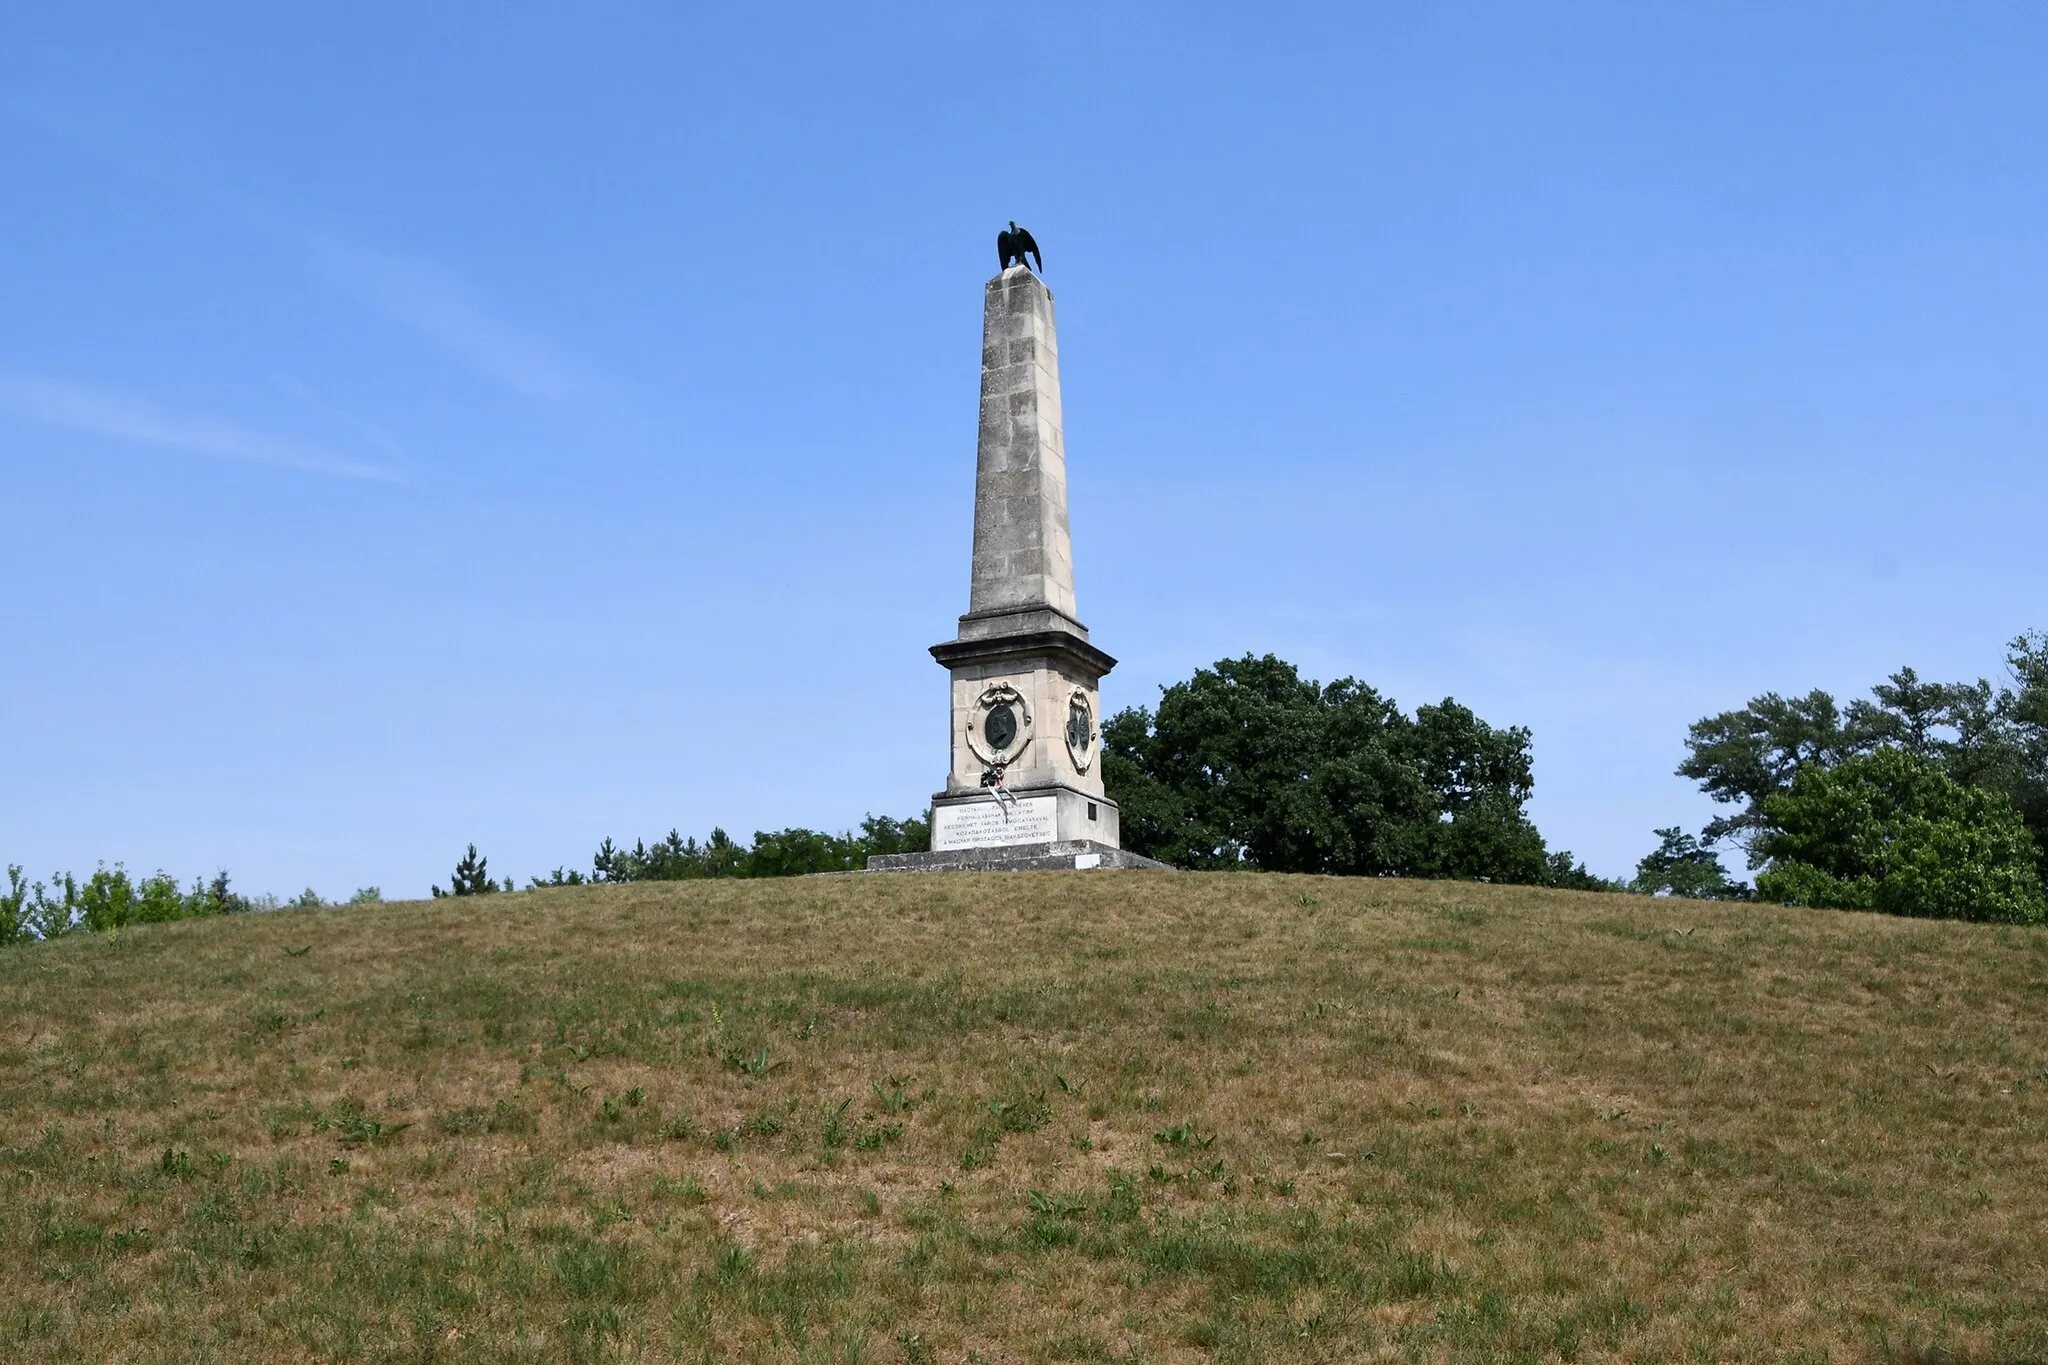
(1891, 831)
(107, 899)
(16, 909)
(886, 834)
(1742, 757)
(1991, 738)
(1683, 866)
(800, 852)
(1250, 764)
(58, 909)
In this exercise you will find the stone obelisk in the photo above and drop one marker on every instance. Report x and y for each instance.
(1025, 786)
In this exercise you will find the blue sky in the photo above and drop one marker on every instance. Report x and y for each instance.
(423, 424)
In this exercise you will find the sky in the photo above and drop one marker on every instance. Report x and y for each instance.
(427, 424)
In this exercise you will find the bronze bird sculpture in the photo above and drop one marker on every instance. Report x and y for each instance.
(1012, 247)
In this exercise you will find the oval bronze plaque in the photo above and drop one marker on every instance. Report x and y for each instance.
(999, 726)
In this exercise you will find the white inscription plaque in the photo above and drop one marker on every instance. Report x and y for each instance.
(984, 824)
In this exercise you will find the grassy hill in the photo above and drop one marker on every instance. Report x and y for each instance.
(1027, 1118)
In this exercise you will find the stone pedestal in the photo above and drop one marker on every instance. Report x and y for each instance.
(1026, 771)
(1079, 855)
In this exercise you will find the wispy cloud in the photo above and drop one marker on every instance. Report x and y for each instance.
(433, 303)
(79, 408)
(362, 426)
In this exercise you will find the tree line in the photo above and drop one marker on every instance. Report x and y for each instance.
(111, 899)
(793, 852)
(1929, 799)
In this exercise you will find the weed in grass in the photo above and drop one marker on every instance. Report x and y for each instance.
(358, 1129)
(683, 1190)
(833, 1132)
(732, 1264)
(874, 1139)
(893, 1097)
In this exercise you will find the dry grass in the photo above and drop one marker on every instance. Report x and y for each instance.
(1040, 1117)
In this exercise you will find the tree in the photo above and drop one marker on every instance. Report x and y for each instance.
(16, 909)
(1991, 738)
(222, 898)
(1683, 866)
(886, 834)
(1248, 764)
(1742, 757)
(472, 877)
(1891, 831)
(799, 852)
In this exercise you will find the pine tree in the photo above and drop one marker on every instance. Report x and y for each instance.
(472, 877)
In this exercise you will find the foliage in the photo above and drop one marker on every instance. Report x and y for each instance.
(1991, 738)
(367, 895)
(107, 900)
(779, 853)
(1891, 831)
(673, 859)
(1560, 871)
(1683, 866)
(1250, 764)
(472, 877)
(797, 852)
(15, 908)
(225, 900)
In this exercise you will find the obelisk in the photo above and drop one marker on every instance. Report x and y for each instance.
(1024, 789)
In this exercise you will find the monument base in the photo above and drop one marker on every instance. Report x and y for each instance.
(1067, 855)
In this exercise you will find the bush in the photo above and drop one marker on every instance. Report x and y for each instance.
(1892, 832)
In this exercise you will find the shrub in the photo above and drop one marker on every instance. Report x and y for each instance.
(1892, 832)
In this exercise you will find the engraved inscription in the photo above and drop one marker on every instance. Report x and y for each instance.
(981, 824)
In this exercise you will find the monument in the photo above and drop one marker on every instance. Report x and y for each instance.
(1025, 786)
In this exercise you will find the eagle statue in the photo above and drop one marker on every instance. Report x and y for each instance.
(1012, 247)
